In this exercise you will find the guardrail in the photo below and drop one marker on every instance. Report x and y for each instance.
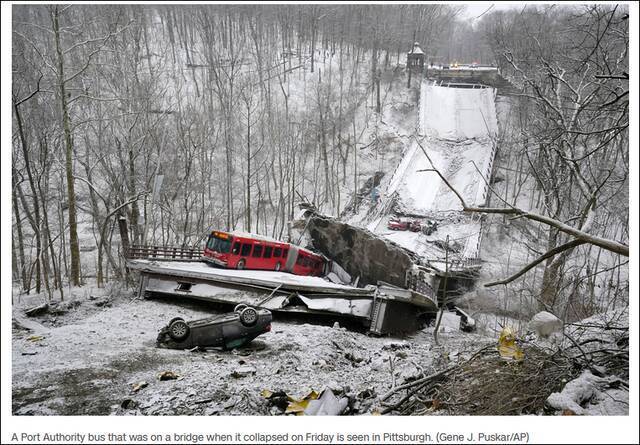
(417, 280)
(165, 253)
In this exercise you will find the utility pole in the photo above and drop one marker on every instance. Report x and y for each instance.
(444, 292)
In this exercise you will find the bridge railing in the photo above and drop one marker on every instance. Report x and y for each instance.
(164, 253)
(417, 280)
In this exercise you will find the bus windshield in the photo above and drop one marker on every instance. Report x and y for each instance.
(219, 245)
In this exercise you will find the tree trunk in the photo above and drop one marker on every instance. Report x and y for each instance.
(74, 248)
(21, 265)
(35, 218)
(248, 210)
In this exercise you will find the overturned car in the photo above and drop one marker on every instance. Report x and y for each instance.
(230, 330)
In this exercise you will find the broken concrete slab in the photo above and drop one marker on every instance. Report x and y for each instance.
(545, 323)
(24, 324)
(37, 310)
(360, 252)
(449, 322)
(243, 371)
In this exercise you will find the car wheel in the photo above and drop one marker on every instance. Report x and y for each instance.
(240, 265)
(179, 330)
(249, 316)
(278, 267)
(239, 307)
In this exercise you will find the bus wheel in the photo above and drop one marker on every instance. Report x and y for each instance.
(277, 266)
(240, 264)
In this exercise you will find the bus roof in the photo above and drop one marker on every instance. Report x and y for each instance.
(265, 238)
(251, 236)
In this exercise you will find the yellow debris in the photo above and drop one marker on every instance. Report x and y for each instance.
(507, 346)
(298, 406)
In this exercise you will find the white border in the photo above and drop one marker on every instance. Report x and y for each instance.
(541, 429)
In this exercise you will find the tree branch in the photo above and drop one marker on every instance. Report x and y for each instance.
(551, 253)
(607, 244)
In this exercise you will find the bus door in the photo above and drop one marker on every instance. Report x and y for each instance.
(291, 258)
(242, 251)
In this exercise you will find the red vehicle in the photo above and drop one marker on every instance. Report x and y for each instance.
(249, 251)
(396, 224)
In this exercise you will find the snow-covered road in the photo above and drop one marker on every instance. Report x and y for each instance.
(457, 136)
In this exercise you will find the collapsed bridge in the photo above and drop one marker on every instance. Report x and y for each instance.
(403, 272)
(180, 272)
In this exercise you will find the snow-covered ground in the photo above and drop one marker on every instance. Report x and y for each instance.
(91, 359)
(89, 364)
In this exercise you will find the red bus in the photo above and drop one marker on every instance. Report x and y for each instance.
(237, 250)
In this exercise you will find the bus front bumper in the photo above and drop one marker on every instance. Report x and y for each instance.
(215, 261)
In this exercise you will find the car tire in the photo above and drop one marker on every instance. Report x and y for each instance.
(278, 266)
(248, 316)
(179, 330)
(241, 264)
(239, 307)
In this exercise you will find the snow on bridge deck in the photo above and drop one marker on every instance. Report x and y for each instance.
(257, 278)
(457, 129)
(314, 294)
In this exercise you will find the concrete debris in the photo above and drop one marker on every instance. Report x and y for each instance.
(168, 375)
(103, 302)
(467, 323)
(24, 324)
(449, 322)
(545, 323)
(354, 357)
(360, 252)
(138, 386)
(590, 395)
(128, 404)
(37, 310)
(342, 274)
(243, 371)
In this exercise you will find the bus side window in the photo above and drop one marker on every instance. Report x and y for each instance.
(236, 248)
(267, 251)
(285, 252)
(300, 260)
(257, 251)
(246, 248)
(277, 252)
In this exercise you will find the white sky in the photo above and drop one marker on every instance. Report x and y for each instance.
(475, 9)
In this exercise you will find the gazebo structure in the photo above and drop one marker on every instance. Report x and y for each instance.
(415, 58)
